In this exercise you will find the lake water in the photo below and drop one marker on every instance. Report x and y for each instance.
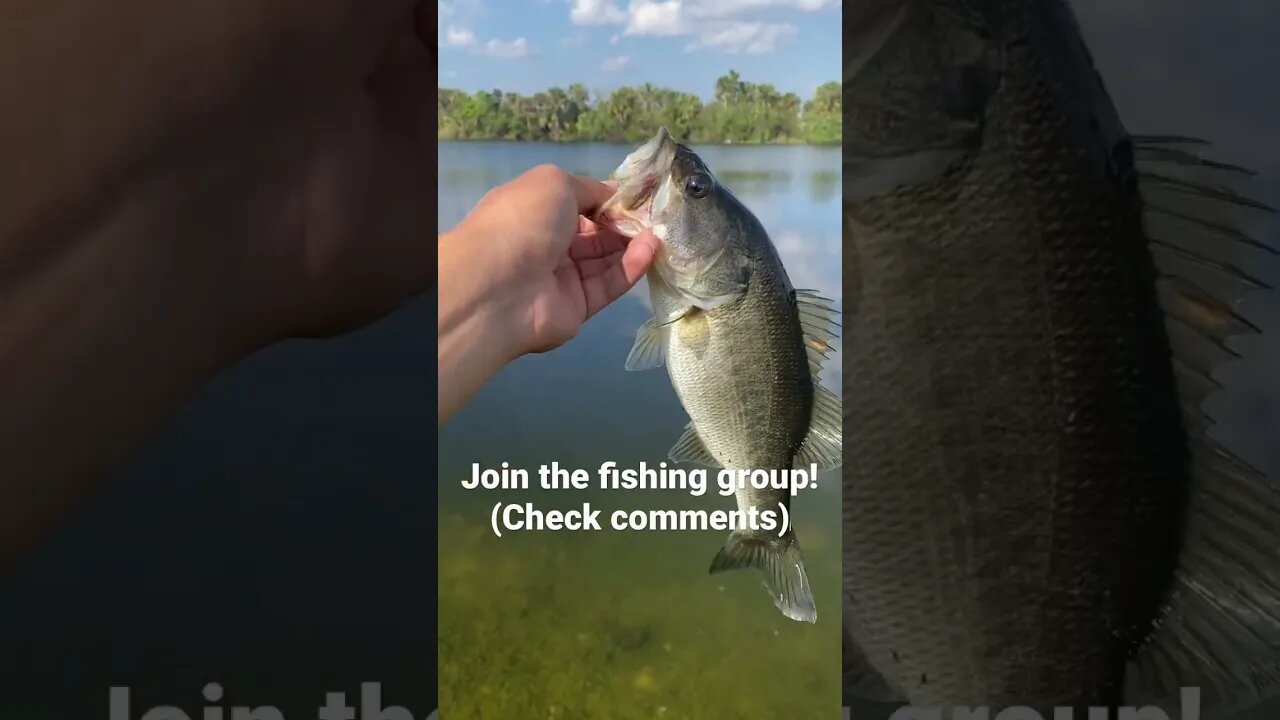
(626, 624)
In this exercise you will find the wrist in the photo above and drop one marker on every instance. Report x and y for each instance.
(473, 299)
(479, 326)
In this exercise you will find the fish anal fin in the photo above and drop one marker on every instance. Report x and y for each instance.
(690, 448)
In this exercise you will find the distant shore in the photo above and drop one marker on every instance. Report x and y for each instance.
(739, 113)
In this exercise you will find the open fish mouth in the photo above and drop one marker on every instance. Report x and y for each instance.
(643, 180)
(631, 213)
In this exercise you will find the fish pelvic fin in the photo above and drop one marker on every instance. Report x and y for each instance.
(690, 448)
(1219, 626)
(780, 561)
(650, 348)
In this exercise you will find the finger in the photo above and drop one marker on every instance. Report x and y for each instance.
(595, 243)
(639, 256)
(589, 193)
(605, 279)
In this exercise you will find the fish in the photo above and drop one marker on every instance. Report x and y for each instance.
(1034, 512)
(742, 347)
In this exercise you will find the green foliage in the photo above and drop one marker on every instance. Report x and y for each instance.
(740, 113)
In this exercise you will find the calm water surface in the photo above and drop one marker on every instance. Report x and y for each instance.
(626, 624)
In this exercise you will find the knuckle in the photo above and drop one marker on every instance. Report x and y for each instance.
(551, 173)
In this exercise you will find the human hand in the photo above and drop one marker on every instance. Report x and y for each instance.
(542, 259)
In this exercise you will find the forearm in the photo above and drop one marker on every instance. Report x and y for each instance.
(477, 332)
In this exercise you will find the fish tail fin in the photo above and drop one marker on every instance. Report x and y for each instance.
(780, 561)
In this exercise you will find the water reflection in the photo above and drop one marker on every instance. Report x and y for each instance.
(626, 623)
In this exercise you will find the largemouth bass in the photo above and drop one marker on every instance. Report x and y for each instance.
(1034, 512)
(743, 348)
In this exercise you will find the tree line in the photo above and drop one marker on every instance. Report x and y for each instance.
(740, 112)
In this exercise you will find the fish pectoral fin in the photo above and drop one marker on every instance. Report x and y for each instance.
(781, 562)
(650, 348)
(727, 284)
(825, 440)
(690, 448)
(1219, 629)
(673, 316)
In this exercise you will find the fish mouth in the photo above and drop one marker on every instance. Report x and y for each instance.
(643, 187)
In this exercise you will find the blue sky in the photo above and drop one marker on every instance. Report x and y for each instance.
(529, 45)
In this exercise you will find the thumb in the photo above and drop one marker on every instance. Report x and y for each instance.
(639, 256)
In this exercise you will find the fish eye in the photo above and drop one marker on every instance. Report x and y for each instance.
(697, 185)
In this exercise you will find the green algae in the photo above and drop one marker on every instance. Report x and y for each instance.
(628, 625)
(621, 625)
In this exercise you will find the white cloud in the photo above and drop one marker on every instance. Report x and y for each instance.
(718, 25)
(614, 64)
(456, 36)
(650, 17)
(454, 32)
(461, 37)
(596, 12)
(506, 50)
(749, 38)
(731, 8)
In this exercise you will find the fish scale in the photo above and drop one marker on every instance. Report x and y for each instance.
(742, 349)
(1030, 507)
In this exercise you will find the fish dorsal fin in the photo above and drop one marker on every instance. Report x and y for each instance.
(1219, 628)
(818, 321)
(650, 348)
(824, 442)
(690, 448)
